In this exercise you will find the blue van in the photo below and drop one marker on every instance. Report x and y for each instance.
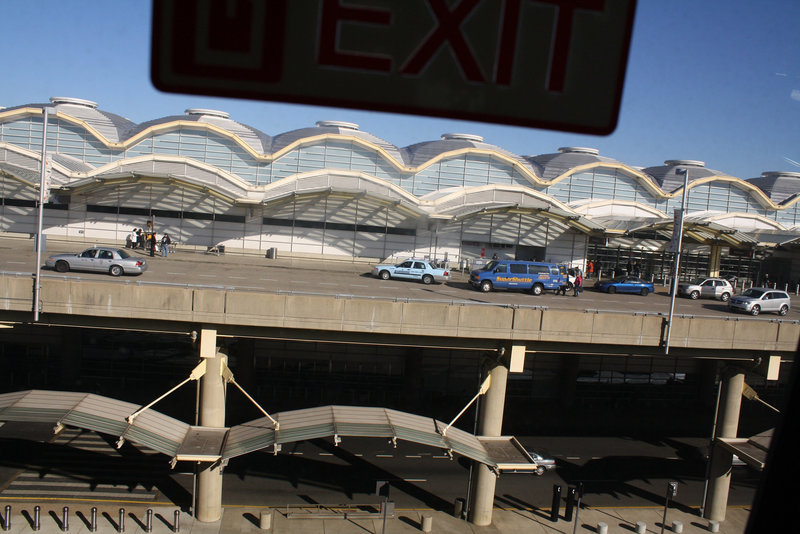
(533, 276)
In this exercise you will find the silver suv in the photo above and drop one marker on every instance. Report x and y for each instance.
(713, 288)
(759, 299)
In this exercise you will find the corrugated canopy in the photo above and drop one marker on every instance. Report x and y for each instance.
(752, 451)
(93, 412)
(341, 421)
(184, 442)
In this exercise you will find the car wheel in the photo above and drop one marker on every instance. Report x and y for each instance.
(694, 295)
(612, 289)
(644, 292)
(540, 470)
(385, 275)
(427, 279)
(486, 286)
(537, 289)
(115, 270)
(755, 310)
(62, 266)
(725, 297)
(784, 310)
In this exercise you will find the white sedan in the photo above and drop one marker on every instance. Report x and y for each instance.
(113, 261)
(421, 270)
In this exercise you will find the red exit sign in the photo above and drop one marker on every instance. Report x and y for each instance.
(556, 64)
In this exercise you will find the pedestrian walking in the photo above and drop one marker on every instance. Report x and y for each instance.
(165, 243)
(577, 284)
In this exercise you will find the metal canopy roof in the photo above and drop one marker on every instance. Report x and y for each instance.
(339, 421)
(184, 442)
(93, 412)
(752, 451)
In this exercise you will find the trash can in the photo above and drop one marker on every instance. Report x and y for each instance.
(272, 253)
(221, 249)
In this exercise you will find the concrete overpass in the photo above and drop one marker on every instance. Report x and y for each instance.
(512, 331)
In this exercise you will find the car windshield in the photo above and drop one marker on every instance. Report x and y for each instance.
(489, 266)
(123, 254)
(754, 293)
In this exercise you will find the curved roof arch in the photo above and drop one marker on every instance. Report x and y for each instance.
(349, 182)
(609, 207)
(420, 154)
(554, 166)
(739, 220)
(218, 183)
(334, 129)
(632, 172)
(473, 201)
(779, 186)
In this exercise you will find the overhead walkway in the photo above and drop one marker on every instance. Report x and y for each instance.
(182, 441)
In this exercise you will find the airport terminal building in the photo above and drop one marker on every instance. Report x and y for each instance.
(333, 190)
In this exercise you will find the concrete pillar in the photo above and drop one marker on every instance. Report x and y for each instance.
(212, 414)
(714, 260)
(490, 423)
(730, 402)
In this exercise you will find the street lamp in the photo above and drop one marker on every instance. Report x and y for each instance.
(677, 243)
(42, 181)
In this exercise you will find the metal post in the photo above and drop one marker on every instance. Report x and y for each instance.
(65, 519)
(42, 175)
(37, 524)
(148, 527)
(93, 526)
(570, 503)
(121, 527)
(554, 508)
(673, 289)
(7, 521)
(672, 490)
(177, 526)
(579, 491)
(711, 448)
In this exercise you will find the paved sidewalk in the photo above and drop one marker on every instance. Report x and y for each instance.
(246, 519)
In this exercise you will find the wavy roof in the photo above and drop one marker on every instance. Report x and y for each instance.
(118, 132)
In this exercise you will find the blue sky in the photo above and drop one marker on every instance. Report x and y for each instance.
(710, 80)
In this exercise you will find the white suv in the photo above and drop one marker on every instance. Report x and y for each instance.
(714, 288)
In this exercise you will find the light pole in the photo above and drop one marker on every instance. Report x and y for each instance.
(672, 491)
(677, 240)
(42, 180)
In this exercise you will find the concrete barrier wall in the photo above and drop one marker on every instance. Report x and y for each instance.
(132, 300)
(16, 293)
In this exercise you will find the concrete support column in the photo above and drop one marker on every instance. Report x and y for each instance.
(490, 423)
(212, 414)
(730, 403)
(714, 260)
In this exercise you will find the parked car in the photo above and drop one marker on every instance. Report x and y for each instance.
(113, 261)
(715, 288)
(625, 284)
(412, 269)
(544, 462)
(761, 299)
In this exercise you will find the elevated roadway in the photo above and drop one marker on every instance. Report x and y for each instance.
(247, 297)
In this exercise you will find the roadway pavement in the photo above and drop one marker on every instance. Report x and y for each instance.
(237, 519)
(343, 277)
